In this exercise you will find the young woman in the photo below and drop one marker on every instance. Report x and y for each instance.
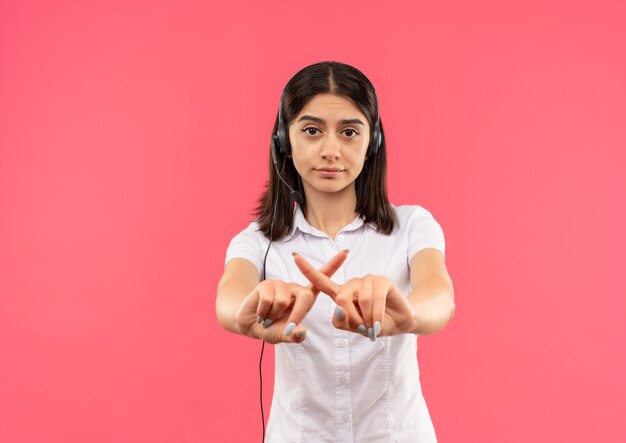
(350, 280)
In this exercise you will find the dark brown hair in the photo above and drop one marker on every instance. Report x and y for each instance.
(371, 185)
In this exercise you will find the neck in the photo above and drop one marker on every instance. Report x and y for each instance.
(330, 212)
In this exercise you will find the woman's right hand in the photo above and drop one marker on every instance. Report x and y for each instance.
(273, 311)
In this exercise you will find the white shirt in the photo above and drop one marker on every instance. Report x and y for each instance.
(338, 386)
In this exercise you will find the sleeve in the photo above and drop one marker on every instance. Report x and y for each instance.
(247, 245)
(424, 232)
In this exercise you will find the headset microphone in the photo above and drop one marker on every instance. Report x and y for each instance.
(295, 195)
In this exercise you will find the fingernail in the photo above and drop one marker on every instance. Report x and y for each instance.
(346, 250)
(370, 332)
(259, 319)
(376, 328)
(294, 253)
(267, 323)
(363, 329)
(339, 313)
(289, 328)
(300, 334)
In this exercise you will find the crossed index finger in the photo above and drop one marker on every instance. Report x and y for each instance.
(328, 269)
(318, 279)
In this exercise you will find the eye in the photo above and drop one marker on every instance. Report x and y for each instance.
(310, 128)
(352, 132)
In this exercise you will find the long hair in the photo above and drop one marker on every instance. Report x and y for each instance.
(371, 184)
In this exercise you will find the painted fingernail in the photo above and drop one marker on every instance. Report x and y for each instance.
(301, 334)
(267, 323)
(294, 253)
(370, 332)
(346, 250)
(376, 328)
(259, 319)
(363, 329)
(289, 328)
(339, 313)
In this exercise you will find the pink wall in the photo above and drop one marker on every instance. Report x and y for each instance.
(133, 145)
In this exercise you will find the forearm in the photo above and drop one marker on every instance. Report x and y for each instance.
(433, 303)
(230, 293)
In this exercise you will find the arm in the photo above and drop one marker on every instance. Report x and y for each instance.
(239, 279)
(432, 293)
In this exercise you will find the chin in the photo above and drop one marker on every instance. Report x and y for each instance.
(331, 187)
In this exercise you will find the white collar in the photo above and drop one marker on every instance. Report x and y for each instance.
(300, 223)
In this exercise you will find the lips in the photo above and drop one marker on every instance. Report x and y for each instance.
(329, 172)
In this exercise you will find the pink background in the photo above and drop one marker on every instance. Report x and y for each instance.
(133, 146)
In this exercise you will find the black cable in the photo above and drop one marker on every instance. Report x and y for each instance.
(261, 389)
(263, 341)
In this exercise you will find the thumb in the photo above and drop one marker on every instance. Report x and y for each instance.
(340, 319)
(281, 333)
(293, 333)
(298, 335)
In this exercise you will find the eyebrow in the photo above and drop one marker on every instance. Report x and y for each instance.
(322, 121)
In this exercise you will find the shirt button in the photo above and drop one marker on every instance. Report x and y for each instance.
(342, 380)
(345, 419)
(341, 237)
(341, 343)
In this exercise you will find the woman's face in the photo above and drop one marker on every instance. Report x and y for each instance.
(329, 139)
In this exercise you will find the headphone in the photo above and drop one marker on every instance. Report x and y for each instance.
(280, 139)
(280, 143)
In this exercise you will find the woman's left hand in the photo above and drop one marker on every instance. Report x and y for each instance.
(371, 305)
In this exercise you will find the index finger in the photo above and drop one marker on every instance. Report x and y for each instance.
(302, 305)
(317, 278)
(330, 267)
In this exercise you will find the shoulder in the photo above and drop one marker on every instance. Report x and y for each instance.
(249, 243)
(252, 233)
(421, 229)
(409, 214)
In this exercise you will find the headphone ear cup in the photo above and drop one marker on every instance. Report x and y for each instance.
(275, 148)
(375, 140)
(285, 147)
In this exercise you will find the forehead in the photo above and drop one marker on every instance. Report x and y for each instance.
(330, 105)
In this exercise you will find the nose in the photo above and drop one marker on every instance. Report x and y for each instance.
(331, 147)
